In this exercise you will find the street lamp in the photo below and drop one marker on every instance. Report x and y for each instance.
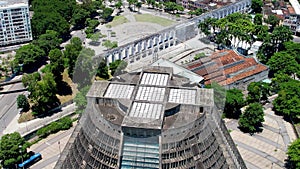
(59, 147)
(20, 147)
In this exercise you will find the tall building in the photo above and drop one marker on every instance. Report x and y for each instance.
(150, 119)
(14, 22)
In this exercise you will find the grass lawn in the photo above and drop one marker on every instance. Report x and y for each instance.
(153, 19)
(118, 20)
(26, 117)
(68, 80)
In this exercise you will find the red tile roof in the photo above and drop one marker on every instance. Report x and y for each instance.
(226, 67)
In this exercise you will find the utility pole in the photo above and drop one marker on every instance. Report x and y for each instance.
(21, 155)
(59, 147)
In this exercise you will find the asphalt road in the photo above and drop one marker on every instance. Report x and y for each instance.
(8, 106)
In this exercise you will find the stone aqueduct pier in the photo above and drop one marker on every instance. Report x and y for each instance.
(170, 36)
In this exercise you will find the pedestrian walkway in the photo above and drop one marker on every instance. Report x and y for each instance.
(51, 148)
(265, 150)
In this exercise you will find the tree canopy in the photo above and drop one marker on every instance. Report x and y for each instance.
(234, 102)
(102, 70)
(22, 102)
(10, 150)
(43, 95)
(257, 91)
(272, 20)
(52, 15)
(288, 101)
(29, 55)
(256, 6)
(80, 99)
(30, 80)
(252, 118)
(283, 62)
(84, 68)
(42, 21)
(48, 41)
(258, 19)
(294, 153)
(71, 53)
(117, 67)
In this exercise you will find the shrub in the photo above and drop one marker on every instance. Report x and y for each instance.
(62, 124)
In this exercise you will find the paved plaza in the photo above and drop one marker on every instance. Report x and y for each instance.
(265, 150)
(130, 31)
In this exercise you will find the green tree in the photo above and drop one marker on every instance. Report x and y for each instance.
(258, 19)
(280, 35)
(56, 64)
(234, 102)
(22, 102)
(278, 80)
(283, 62)
(48, 41)
(44, 95)
(132, 2)
(55, 55)
(150, 3)
(10, 151)
(108, 44)
(30, 80)
(79, 17)
(294, 153)
(29, 55)
(293, 48)
(261, 31)
(198, 11)
(102, 70)
(118, 5)
(117, 67)
(106, 14)
(42, 21)
(272, 20)
(71, 53)
(256, 6)
(93, 23)
(80, 99)
(62, 7)
(257, 91)
(84, 68)
(252, 118)
(170, 6)
(288, 101)
(138, 5)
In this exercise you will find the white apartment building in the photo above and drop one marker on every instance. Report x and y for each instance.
(14, 22)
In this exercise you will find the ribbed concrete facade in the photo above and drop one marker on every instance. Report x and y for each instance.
(150, 120)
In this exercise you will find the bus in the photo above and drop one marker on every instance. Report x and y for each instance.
(34, 158)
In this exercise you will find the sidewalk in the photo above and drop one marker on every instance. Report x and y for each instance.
(50, 148)
(26, 127)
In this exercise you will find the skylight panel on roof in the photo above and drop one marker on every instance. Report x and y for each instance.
(185, 96)
(119, 91)
(157, 79)
(146, 110)
(150, 93)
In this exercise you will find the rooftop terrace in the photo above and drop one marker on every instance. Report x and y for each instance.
(142, 103)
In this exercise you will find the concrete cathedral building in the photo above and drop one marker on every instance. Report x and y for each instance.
(150, 119)
(14, 22)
